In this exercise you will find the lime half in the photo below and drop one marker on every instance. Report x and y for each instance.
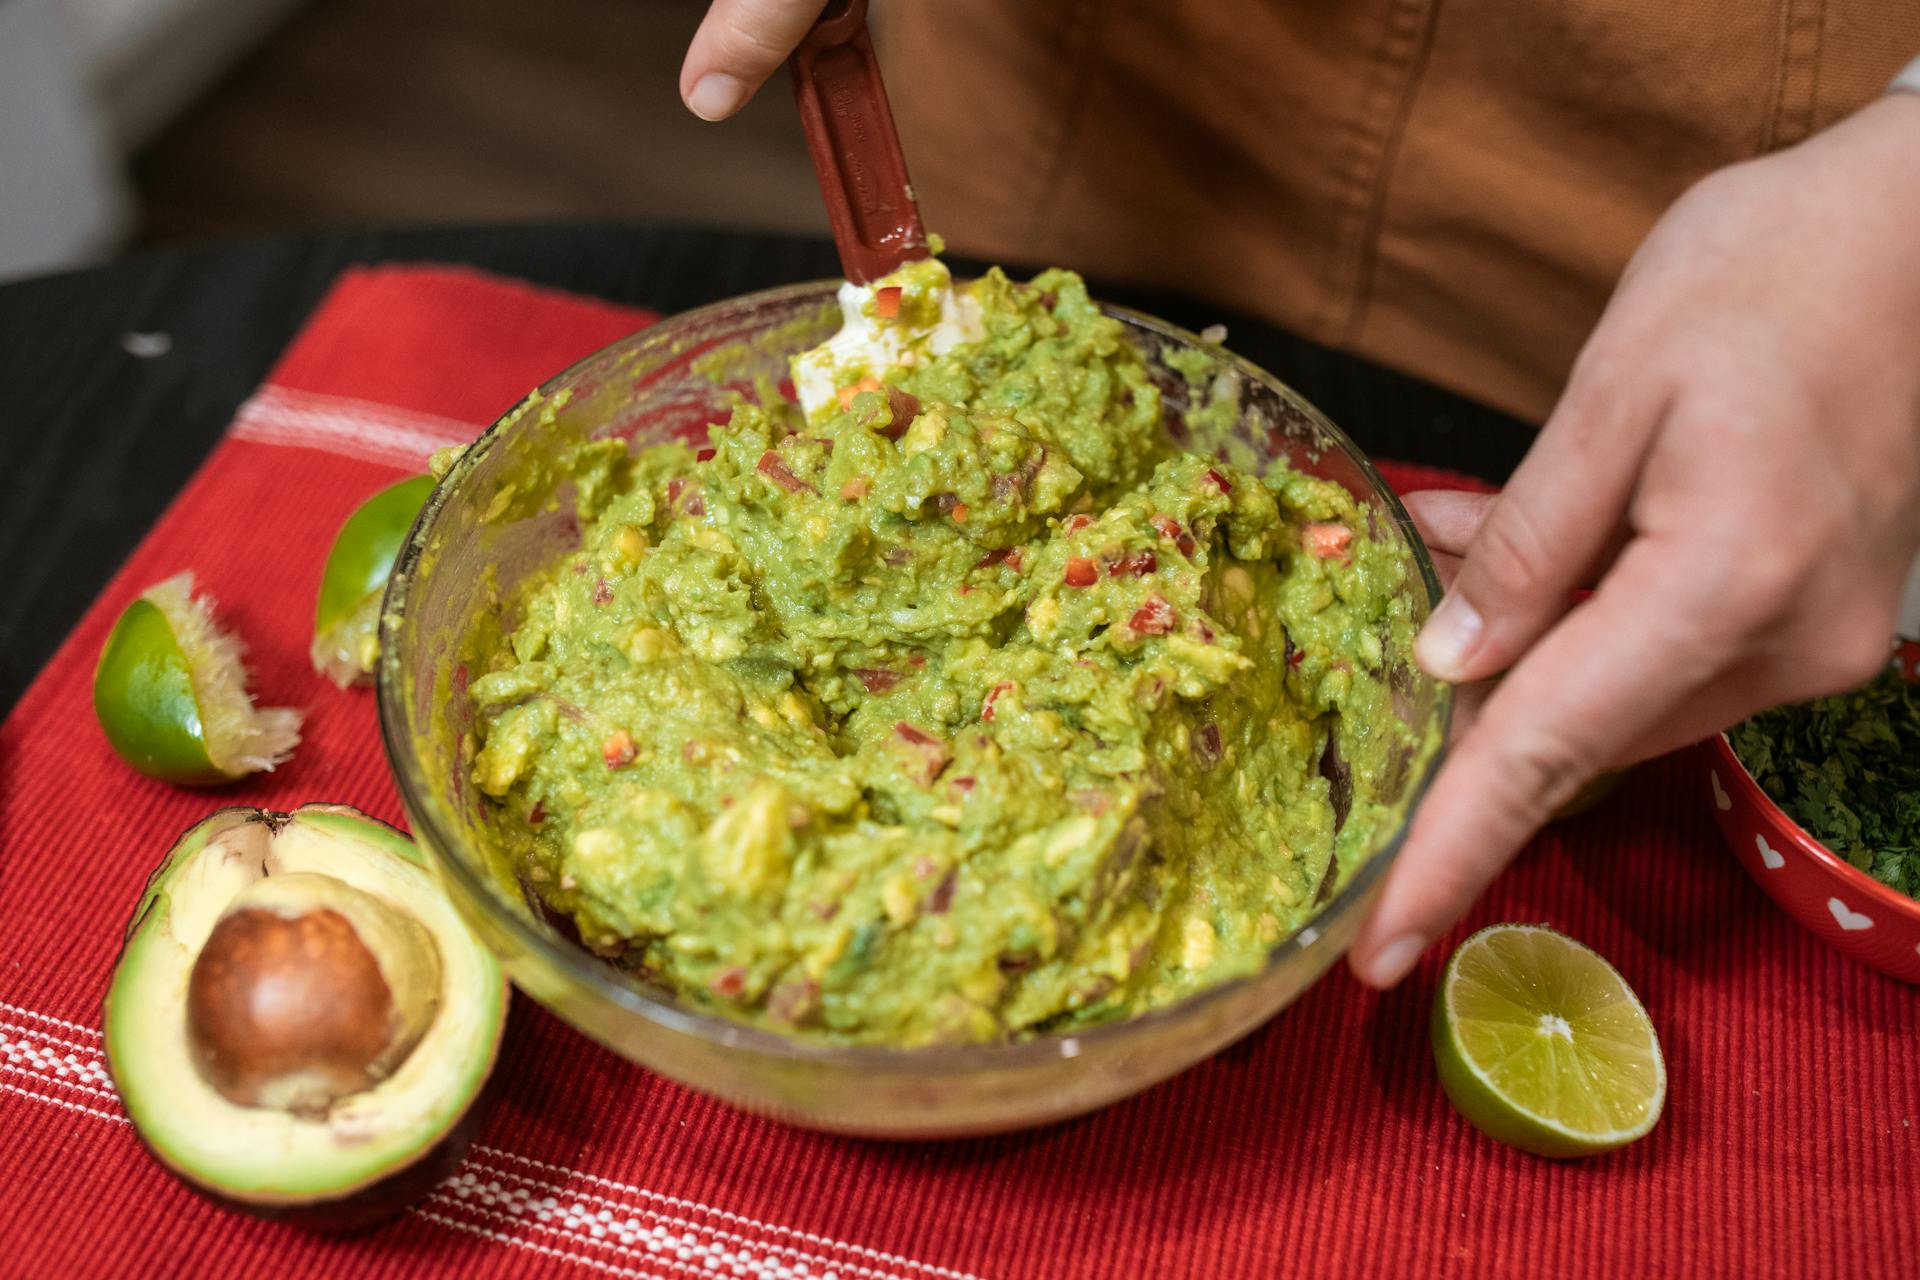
(171, 694)
(1544, 1046)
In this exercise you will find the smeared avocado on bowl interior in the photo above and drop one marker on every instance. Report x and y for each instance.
(949, 700)
(299, 1023)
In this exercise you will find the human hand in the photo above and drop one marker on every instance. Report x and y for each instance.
(739, 44)
(1734, 464)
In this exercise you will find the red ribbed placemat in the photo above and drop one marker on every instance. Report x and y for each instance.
(1321, 1145)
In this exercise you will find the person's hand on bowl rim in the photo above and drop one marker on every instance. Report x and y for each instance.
(1734, 465)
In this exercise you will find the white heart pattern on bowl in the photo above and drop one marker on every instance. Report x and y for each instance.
(1846, 917)
(1720, 800)
(1771, 859)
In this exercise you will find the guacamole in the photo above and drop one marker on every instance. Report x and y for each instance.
(951, 703)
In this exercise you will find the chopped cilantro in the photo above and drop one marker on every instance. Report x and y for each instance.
(1847, 768)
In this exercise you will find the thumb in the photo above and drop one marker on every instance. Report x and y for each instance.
(739, 44)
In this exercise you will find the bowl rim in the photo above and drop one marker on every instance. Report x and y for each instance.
(1756, 795)
(583, 970)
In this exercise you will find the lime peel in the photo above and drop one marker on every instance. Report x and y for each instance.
(1542, 1045)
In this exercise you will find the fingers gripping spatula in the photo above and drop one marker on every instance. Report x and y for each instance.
(856, 151)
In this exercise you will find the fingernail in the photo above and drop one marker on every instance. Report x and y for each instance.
(1391, 962)
(716, 96)
(1448, 638)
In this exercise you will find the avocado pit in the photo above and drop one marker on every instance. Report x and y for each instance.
(307, 991)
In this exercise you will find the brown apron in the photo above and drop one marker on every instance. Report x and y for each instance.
(1450, 187)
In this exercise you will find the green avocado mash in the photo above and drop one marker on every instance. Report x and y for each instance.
(964, 708)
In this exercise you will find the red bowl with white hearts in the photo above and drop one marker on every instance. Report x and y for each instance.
(1823, 891)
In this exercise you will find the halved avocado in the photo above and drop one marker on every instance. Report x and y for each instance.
(300, 1024)
(171, 693)
(346, 618)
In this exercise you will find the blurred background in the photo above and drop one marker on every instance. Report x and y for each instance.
(128, 123)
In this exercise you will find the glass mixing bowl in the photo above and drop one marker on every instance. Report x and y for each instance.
(501, 515)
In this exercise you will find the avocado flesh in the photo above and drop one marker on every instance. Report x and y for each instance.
(264, 1157)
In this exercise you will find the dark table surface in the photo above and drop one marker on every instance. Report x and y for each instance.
(103, 431)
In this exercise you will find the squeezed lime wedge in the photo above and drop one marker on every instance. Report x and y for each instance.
(171, 694)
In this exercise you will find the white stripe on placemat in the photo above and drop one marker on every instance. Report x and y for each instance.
(681, 1254)
(8, 1087)
(615, 1227)
(694, 1206)
(346, 426)
(621, 1227)
(535, 1247)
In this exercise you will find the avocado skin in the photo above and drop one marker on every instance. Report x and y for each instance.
(375, 1204)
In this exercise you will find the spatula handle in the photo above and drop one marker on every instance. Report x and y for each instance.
(856, 151)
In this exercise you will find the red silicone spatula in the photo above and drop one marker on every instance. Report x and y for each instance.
(856, 152)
